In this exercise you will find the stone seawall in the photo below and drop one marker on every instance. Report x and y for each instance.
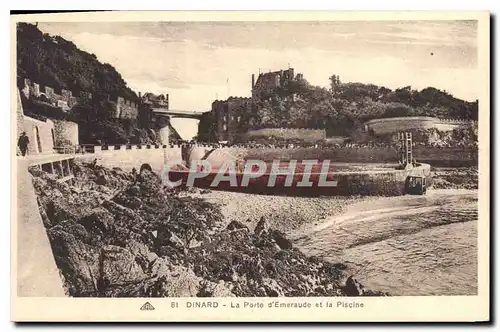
(134, 157)
(353, 183)
(392, 125)
(431, 155)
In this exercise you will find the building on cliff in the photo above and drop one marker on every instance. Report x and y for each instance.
(63, 99)
(224, 122)
(266, 83)
(66, 99)
(228, 117)
(155, 101)
(123, 108)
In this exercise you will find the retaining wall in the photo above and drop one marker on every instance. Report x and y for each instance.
(128, 157)
(384, 183)
(433, 155)
(391, 125)
(289, 133)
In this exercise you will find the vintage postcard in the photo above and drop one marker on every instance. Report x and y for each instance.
(251, 166)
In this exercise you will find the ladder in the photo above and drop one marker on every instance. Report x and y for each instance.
(406, 143)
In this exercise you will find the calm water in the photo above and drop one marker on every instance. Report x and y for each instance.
(410, 245)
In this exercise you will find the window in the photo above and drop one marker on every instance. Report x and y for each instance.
(225, 127)
(53, 137)
(38, 141)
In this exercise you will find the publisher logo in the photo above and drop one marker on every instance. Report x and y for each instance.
(147, 306)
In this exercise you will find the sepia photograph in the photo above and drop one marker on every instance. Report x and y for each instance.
(331, 160)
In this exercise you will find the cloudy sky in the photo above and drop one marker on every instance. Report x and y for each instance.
(197, 62)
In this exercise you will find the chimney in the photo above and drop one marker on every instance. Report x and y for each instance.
(139, 93)
(253, 80)
(166, 99)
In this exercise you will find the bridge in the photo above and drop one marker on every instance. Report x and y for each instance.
(177, 113)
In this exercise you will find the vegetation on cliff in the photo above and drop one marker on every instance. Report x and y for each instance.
(58, 63)
(123, 234)
(342, 109)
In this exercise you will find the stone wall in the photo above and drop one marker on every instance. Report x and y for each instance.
(126, 109)
(433, 155)
(289, 133)
(392, 125)
(66, 133)
(64, 100)
(41, 135)
(128, 157)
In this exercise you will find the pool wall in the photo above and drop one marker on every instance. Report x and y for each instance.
(367, 183)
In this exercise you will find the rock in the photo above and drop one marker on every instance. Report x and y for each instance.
(165, 237)
(118, 266)
(143, 255)
(261, 227)
(145, 169)
(101, 178)
(172, 239)
(58, 211)
(131, 202)
(173, 280)
(78, 262)
(236, 225)
(282, 242)
(74, 228)
(212, 289)
(98, 222)
(123, 214)
(353, 287)
(134, 190)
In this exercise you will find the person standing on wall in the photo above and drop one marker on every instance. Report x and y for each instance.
(23, 143)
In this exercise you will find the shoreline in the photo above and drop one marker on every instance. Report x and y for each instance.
(120, 234)
(306, 226)
(115, 233)
(296, 212)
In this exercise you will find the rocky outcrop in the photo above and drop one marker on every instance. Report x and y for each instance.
(78, 262)
(261, 227)
(134, 238)
(235, 225)
(353, 287)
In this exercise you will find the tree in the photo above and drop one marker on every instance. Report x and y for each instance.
(334, 83)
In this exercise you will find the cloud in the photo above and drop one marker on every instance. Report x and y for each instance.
(193, 61)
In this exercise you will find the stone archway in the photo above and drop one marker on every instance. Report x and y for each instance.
(146, 167)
